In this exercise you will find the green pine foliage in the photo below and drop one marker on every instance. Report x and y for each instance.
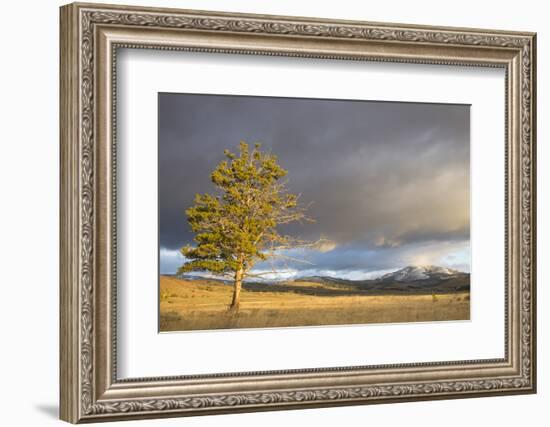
(236, 227)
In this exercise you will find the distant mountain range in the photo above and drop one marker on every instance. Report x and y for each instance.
(411, 279)
(412, 273)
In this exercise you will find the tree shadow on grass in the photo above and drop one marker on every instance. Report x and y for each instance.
(364, 288)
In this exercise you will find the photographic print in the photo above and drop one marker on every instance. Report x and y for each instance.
(281, 212)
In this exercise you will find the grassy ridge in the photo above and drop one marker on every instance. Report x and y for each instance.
(203, 304)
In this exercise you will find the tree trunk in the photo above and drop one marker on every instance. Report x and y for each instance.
(237, 290)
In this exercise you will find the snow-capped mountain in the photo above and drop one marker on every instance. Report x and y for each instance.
(420, 272)
(418, 280)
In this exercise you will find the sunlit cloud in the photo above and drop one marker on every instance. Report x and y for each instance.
(326, 246)
(382, 241)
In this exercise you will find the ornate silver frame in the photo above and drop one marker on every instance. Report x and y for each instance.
(90, 36)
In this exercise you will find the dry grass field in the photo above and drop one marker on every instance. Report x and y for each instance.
(203, 304)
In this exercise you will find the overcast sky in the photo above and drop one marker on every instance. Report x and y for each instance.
(388, 182)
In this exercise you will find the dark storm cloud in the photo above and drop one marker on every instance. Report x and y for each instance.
(381, 176)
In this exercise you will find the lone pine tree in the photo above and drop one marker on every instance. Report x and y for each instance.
(236, 227)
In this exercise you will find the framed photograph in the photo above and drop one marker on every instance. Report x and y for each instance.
(267, 212)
